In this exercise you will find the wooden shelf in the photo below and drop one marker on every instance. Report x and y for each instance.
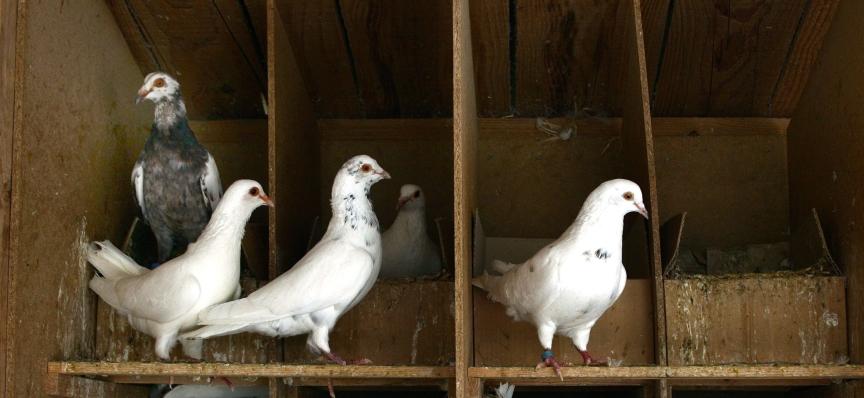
(677, 374)
(150, 372)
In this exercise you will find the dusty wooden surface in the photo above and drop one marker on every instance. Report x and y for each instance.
(757, 319)
(826, 160)
(74, 151)
(8, 14)
(397, 323)
(624, 333)
(775, 372)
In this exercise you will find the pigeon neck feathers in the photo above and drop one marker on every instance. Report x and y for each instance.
(225, 229)
(350, 203)
(170, 114)
(599, 218)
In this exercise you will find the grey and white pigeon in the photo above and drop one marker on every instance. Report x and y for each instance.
(568, 285)
(408, 250)
(176, 181)
(328, 281)
(165, 301)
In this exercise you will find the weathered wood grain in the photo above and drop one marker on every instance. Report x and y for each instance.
(490, 33)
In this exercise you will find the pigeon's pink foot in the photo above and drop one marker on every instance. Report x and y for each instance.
(330, 388)
(339, 361)
(588, 360)
(228, 383)
(547, 360)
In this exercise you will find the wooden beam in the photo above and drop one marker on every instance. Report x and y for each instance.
(109, 369)
(8, 25)
(710, 373)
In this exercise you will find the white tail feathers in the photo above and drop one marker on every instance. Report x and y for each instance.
(112, 263)
(504, 390)
(207, 332)
(501, 267)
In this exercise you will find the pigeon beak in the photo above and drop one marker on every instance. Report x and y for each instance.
(642, 210)
(402, 202)
(384, 174)
(142, 94)
(267, 201)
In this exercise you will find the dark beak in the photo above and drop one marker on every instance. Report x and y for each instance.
(642, 210)
(267, 201)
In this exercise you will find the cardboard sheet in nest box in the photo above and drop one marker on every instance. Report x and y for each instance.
(624, 333)
(796, 317)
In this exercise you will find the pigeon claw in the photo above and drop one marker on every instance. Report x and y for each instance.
(588, 360)
(549, 361)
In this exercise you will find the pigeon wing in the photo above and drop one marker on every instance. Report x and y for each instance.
(138, 184)
(332, 274)
(158, 296)
(211, 185)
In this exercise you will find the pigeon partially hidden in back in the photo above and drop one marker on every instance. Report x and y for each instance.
(504, 390)
(408, 250)
(568, 285)
(175, 180)
(165, 301)
(328, 281)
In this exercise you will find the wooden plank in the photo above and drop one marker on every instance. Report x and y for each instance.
(465, 137)
(825, 157)
(8, 26)
(177, 37)
(561, 48)
(324, 57)
(802, 56)
(624, 333)
(424, 336)
(655, 21)
(715, 321)
(774, 372)
(402, 53)
(683, 126)
(67, 48)
(247, 370)
(638, 152)
(490, 21)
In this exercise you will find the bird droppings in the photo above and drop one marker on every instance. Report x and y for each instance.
(831, 319)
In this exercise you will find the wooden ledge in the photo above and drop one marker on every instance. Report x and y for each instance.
(147, 370)
(675, 373)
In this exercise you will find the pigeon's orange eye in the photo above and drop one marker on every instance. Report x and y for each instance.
(160, 82)
(417, 194)
(366, 168)
(628, 195)
(253, 191)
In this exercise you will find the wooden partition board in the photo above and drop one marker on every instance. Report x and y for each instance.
(8, 15)
(826, 157)
(75, 125)
(465, 134)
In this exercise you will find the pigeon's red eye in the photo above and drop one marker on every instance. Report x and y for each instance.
(628, 195)
(160, 82)
(366, 168)
(417, 194)
(253, 191)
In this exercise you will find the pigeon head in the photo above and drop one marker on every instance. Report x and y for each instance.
(158, 87)
(244, 195)
(411, 197)
(362, 170)
(622, 194)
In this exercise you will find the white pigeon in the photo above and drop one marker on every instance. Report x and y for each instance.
(408, 250)
(166, 301)
(566, 286)
(328, 281)
(504, 390)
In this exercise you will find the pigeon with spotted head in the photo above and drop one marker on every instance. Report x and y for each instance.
(175, 180)
(568, 285)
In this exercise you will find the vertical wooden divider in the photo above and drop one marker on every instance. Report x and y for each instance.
(8, 26)
(292, 157)
(465, 132)
(638, 143)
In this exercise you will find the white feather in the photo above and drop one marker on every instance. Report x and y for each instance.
(211, 184)
(138, 184)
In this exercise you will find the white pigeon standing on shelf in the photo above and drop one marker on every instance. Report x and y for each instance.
(566, 286)
(166, 301)
(408, 250)
(328, 281)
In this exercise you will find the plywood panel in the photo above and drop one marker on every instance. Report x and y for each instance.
(8, 14)
(187, 39)
(794, 319)
(491, 34)
(402, 54)
(421, 333)
(324, 57)
(623, 333)
(826, 152)
(734, 188)
(568, 56)
(74, 125)
(465, 146)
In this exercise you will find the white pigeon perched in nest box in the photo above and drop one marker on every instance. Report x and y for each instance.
(566, 286)
(408, 250)
(328, 281)
(175, 179)
(166, 301)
